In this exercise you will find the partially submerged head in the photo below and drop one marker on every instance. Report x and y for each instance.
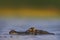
(12, 32)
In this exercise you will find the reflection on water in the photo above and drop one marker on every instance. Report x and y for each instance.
(29, 37)
(52, 26)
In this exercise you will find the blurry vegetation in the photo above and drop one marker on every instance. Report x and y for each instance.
(29, 3)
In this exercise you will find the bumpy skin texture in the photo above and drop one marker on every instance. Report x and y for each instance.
(30, 31)
(38, 32)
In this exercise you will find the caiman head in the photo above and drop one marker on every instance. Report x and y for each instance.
(12, 32)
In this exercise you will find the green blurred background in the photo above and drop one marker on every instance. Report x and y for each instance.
(30, 3)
